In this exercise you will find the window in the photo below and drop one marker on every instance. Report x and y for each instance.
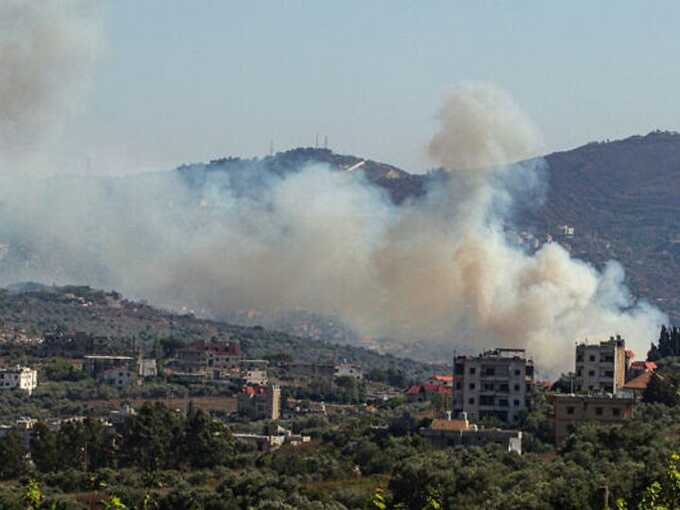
(486, 400)
(592, 358)
(504, 388)
(487, 386)
(517, 387)
(473, 370)
(458, 385)
(579, 372)
(570, 410)
(518, 372)
(516, 403)
(609, 373)
(598, 411)
(616, 411)
(591, 373)
(471, 401)
(503, 402)
(490, 371)
(472, 386)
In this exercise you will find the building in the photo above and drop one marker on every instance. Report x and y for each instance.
(22, 378)
(273, 441)
(426, 392)
(121, 377)
(638, 368)
(347, 370)
(147, 368)
(442, 380)
(95, 365)
(448, 432)
(260, 402)
(254, 372)
(208, 358)
(637, 385)
(497, 383)
(572, 410)
(601, 367)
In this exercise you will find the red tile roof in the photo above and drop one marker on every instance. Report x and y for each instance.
(643, 365)
(442, 378)
(640, 382)
(450, 425)
(416, 389)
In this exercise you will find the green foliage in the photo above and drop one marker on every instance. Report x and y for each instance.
(12, 457)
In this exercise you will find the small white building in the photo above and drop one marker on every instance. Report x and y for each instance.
(23, 378)
(347, 370)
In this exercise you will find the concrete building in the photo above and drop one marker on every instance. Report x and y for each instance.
(496, 383)
(95, 365)
(254, 372)
(572, 410)
(260, 402)
(347, 370)
(601, 367)
(448, 432)
(208, 358)
(120, 377)
(22, 378)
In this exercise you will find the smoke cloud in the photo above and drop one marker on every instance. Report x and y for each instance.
(47, 49)
(440, 268)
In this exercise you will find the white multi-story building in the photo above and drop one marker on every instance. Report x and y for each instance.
(23, 378)
(496, 383)
(601, 367)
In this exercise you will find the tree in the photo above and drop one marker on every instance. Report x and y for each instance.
(12, 457)
(44, 450)
(206, 442)
(663, 388)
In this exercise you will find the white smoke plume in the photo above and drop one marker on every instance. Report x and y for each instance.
(47, 49)
(439, 268)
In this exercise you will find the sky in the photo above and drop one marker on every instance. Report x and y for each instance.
(180, 81)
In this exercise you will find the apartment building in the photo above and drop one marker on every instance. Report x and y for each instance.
(601, 367)
(18, 377)
(496, 383)
(572, 410)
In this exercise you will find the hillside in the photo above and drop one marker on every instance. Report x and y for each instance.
(28, 312)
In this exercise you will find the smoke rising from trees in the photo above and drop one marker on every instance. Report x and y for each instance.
(440, 268)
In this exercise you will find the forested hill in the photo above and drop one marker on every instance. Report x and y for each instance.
(622, 198)
(30, 311)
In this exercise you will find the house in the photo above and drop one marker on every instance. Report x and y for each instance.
(254, 372)
(120, 377)
(496, 383)
(260, 402)
(147, 368)
(638, 384)
(638, 368)
(448, 432)
(601, 367)
(347, 370)
(444, 380)
(271, 442)
(95, 365)
(571, 410)
(425, 392)
(22, 378)
(207, 357)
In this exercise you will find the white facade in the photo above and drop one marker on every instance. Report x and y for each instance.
(23, 378)
(349, 371)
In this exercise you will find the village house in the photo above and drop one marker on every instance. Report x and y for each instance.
(347, 370)
(271, 442)
(426, 392)
(571, 410)
(260, 402)
(208, 359)
(448, 432)
(22, 378)
(496, 383)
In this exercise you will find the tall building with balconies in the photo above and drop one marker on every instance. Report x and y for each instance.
(601, 367)
(496, 383)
